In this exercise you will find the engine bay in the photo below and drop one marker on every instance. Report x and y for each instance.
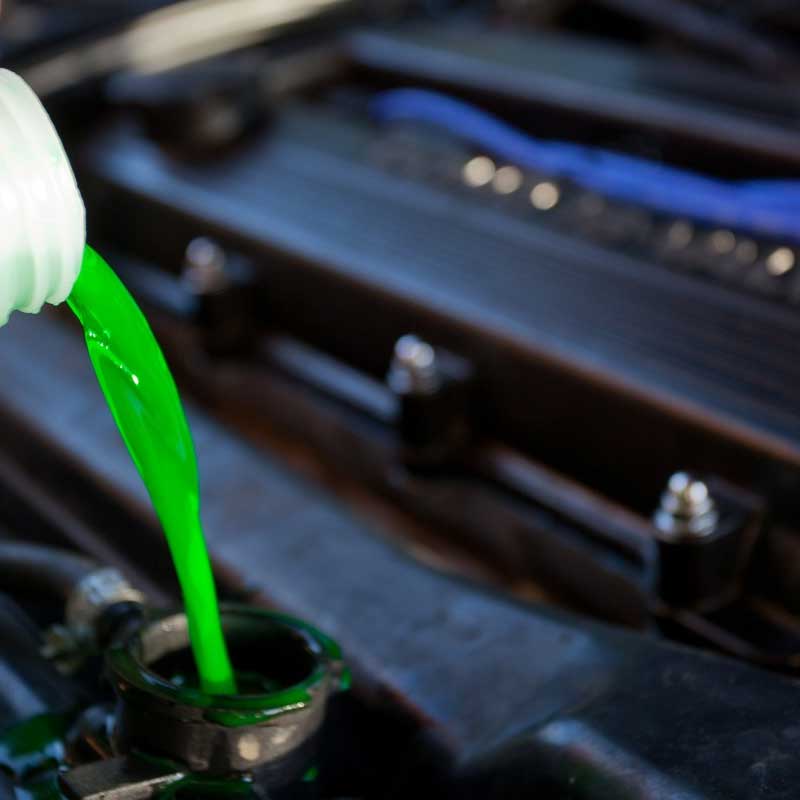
(484, 319)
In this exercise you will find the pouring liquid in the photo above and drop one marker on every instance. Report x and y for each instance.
(144, 401)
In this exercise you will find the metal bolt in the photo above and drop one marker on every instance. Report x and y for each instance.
(68, 645)
(687, 509)
(413, 369)
(95, 592)
(204, 266)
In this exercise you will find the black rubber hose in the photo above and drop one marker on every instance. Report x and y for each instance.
(35, 569)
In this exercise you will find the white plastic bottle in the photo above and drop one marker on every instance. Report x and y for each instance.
(42, 217)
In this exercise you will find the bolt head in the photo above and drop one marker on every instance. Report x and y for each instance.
(204, 266)
(687, 509)
(411, 352)
(414, 369)
(688, 491)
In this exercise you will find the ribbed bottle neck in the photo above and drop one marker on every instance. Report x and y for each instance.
(42, 215)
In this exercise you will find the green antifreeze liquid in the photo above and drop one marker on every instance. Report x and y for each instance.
(142, 396)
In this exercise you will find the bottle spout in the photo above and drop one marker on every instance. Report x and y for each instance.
(42, 215)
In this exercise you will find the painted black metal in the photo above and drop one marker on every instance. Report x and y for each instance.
(435, 425)
(708, 572)
(600, 364)
(226, 313)
(503, 697)
(217, 103)
(589, 360)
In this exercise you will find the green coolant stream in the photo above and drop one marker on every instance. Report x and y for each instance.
(142, 397)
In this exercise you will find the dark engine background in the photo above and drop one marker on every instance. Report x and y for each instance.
(530, 604)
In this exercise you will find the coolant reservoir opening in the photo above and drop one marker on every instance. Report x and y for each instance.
(268, 656)
(281, 660)
(289, 672)
(43, 216)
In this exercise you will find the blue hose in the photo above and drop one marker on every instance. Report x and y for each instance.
(760, 207)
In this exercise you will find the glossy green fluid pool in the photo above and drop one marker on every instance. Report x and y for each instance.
(142, 396)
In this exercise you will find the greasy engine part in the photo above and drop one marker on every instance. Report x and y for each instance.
(605, 346)
(165, 734)
(546, 697)
(570, 354)
(573, 322)
(285, 671)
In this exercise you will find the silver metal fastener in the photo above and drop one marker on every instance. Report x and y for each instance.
(687, 509)
(414, 368)
(204, 266)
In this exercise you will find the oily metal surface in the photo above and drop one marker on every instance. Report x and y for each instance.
(592, 360)
(513, 693)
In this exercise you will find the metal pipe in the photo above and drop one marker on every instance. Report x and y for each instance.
(174, 36)
(34, 568)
